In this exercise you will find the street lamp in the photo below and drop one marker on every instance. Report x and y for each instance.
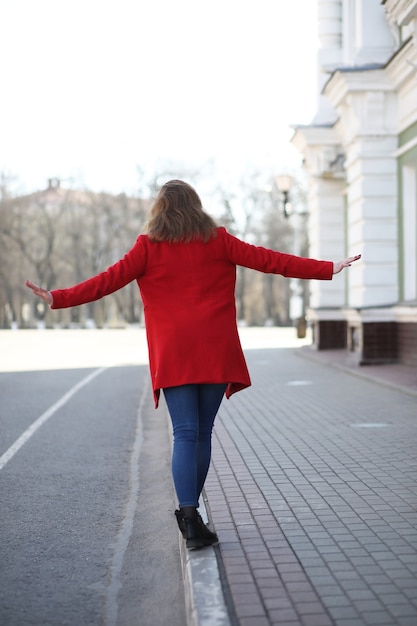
(284, 184)
(297, 302)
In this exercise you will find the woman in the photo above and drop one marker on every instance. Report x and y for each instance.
(185, 267)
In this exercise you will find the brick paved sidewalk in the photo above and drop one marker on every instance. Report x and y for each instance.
(313, 493)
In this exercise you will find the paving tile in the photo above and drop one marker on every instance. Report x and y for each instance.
(361, 594)
(376, 618)
(241, 586)
(318, 619)
(344, 612)
(402, 610)
(368, 605)
(277, 603)
(284, 617)
(263, 572)
(312, 509)
(406, 621)
(335, 600)
(237, 578)
(304, 600)
(272, 591)
(254, 621)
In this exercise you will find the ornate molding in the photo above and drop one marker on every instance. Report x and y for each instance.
(365, 102)
(400, 12)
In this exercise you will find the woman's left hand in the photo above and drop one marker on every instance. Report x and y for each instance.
(340, 265)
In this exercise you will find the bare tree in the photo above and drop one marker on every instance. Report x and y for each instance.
(100, 229)
(29, 233)
(254, 213)
(60, 237)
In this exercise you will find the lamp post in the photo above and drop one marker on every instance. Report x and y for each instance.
(284, 184)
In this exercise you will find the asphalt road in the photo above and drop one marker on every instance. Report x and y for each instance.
(87, 531)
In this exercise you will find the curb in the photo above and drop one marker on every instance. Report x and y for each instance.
(204, 600)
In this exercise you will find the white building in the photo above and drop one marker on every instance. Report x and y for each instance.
(360, 155)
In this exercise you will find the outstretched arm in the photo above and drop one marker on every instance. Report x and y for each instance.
(38, 291)
(340, 265)
(274, 262)
(129, 268)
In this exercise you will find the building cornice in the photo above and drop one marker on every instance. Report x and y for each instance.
(343, 82)
(311, 135)
(320, 146)
(403, 65)
(400, 12)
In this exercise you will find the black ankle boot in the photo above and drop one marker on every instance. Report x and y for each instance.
(181, 523)
(205, 531)
(197, 534)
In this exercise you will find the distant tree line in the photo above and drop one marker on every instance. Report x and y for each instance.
(59, 236)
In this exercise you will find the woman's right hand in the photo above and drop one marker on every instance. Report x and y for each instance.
(39, 291)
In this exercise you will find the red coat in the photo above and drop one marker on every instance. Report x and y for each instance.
(188, 293)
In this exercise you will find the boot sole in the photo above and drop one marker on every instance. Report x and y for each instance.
(195, 544)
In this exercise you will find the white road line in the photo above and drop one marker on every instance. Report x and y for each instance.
(126, 528)
(27, 434)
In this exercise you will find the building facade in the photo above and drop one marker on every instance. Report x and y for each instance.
(360, 157)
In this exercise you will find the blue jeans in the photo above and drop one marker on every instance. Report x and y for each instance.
(193, 409)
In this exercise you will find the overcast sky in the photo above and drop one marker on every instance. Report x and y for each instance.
(91, 89)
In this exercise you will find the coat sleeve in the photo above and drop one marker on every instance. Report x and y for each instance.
(130, 267)
(273, 262)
